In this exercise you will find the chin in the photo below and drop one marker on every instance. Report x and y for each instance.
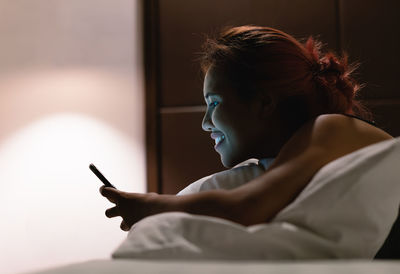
(227, 165)
(229, 162)
(225, 162)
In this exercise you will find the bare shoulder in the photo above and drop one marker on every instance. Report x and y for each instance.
(330, 136)
(344, 131)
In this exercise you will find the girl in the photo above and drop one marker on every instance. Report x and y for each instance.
(268, 96)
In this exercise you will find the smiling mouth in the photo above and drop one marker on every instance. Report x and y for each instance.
(219, 140)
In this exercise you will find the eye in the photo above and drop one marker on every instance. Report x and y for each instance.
(214, 104)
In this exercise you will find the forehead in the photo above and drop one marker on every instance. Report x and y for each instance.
(215, 81)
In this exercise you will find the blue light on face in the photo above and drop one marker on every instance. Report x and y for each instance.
(213, 104)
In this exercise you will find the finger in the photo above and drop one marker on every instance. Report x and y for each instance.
(112, 212)
(112, 194)
(124, 226)
(101, 189)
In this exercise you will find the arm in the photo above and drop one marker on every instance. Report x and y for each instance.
(255, 202)
(261, 199)
(316, 144)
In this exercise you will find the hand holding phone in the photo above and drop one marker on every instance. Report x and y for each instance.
(100, 176)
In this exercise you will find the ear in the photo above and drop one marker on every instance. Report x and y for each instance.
(266, 106)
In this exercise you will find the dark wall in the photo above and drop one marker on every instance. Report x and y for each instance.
(370, 34)
(179, 152)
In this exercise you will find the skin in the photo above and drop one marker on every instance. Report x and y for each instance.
(249, 127)
(252, 130)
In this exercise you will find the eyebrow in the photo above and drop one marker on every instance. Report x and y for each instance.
(209, 94)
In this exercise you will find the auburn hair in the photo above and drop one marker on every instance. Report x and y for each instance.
(300, 80)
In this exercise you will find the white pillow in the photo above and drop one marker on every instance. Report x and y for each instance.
(229, 179)
(346, 211)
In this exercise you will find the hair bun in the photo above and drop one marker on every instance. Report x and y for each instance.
(329, 64)
(333, 77)
(333, 74)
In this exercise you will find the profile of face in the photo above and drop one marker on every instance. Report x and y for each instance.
(242, 129)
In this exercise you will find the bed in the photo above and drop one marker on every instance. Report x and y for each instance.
(120, 266)
(346, 215)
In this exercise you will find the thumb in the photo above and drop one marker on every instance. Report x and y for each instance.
(112, 194)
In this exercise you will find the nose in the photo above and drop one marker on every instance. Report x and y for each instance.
(207, 124)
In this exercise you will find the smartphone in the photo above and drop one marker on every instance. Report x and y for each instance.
(100, 176)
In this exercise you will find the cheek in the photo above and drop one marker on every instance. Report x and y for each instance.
(222, 114)
(216, 117)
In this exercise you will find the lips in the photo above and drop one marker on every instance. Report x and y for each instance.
(218, 137)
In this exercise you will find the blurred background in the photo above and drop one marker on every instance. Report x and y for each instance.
(117, 83)
(71, 93)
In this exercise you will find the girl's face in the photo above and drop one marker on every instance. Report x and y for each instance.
(242, 129)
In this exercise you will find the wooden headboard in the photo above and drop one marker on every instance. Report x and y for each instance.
(178, 151)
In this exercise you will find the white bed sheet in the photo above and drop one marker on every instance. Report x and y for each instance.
(345, 212)
(121, 266)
